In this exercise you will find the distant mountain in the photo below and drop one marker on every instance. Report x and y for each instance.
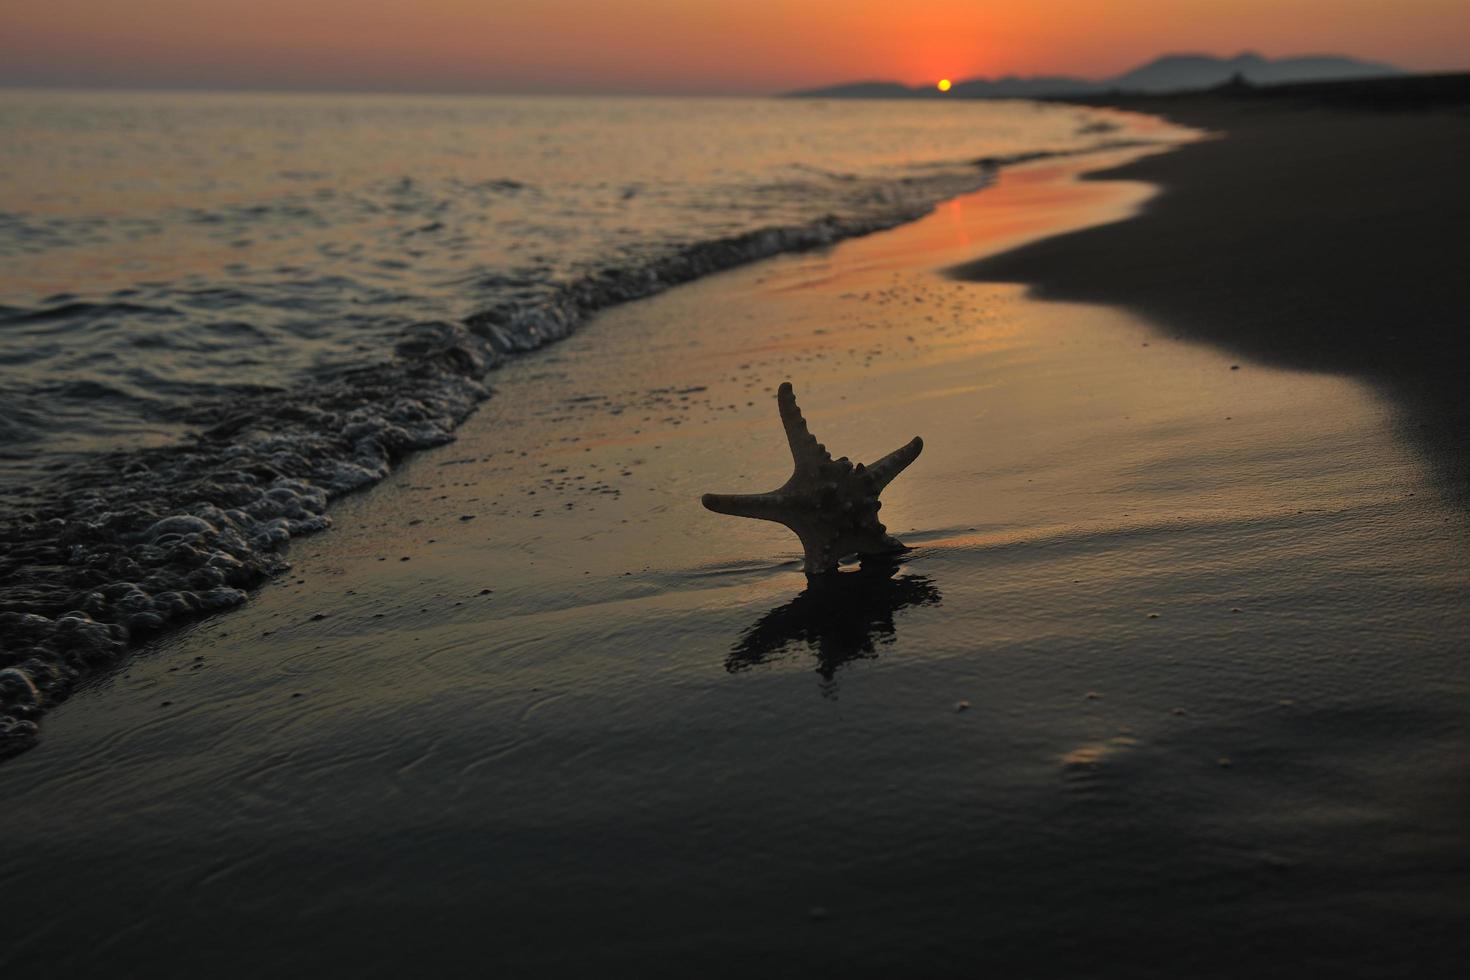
(1179, 72)
(1171, 73)
(1012, 87)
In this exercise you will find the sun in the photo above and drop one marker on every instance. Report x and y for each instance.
(943, 85)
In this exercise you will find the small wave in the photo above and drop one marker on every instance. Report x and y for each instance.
(76, 311)
(498, 185)
(18, 424)
(89, 390)
(524, 323)
(1031, 156)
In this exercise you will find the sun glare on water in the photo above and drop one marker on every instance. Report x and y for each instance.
(943, 85)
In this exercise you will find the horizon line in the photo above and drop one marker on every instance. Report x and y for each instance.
(265, 88)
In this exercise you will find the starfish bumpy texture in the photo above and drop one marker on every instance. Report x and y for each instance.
(832, 505)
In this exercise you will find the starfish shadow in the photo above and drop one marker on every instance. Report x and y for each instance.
(839, 618)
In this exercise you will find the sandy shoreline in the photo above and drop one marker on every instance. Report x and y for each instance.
(531, 708)
(1321, 237)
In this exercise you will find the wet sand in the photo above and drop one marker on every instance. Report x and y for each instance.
(1172, 683)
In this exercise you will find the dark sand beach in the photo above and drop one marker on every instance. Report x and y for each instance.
(1325, 233)
(1172, 684)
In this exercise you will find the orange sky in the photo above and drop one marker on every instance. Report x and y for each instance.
(714, 46)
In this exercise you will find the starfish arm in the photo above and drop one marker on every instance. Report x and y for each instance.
(763, 506)
(884, 470)
(806, 451)
(818, 546)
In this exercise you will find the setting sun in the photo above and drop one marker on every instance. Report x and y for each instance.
(944, 85)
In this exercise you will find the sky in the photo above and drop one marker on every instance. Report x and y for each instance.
(679, 46)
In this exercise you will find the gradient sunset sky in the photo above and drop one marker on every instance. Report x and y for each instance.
(679, 46)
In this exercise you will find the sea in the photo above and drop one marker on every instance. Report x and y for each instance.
(166, 250)
(221, 311)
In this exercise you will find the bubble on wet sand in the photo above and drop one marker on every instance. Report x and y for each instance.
(133, 542)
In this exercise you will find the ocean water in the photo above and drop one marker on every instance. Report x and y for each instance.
(218, 312)
(164, 250)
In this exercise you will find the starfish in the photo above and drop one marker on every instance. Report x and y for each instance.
(832, 505)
